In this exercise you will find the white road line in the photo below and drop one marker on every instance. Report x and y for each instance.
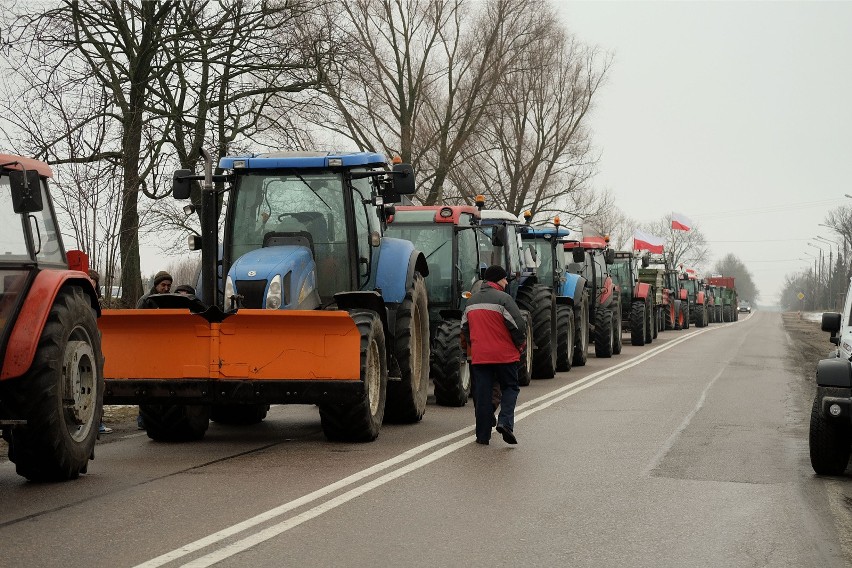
(542, 402)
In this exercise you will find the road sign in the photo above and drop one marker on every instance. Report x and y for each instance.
(800, 296)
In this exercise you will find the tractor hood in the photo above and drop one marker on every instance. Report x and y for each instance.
(293, 265)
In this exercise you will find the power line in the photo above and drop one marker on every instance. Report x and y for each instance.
(761, 241)
(768, 209)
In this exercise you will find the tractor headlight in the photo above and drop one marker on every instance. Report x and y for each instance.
(307, 288)
(273, 294)
(229, 291)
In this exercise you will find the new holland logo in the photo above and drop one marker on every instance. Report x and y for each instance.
(252, 273)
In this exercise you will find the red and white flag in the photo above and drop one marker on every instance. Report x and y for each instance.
(681, 222)
(646, 241)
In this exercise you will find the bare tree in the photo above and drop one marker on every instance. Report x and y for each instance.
(731, 265)
(533, 150)
(688, 248)
(611, 220)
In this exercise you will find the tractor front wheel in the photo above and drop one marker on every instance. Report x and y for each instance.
(540, 302)
(406, 399)
(581, 319)
(525, 366)
(638, 330)
(450, 371)
(61, 397)
(361, 421)
(603, 333)
(564, 337)
(617, 343)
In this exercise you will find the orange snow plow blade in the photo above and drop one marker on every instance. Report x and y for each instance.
(251, 344)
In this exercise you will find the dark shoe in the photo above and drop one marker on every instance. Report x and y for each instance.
(483, 442)
(508, 435)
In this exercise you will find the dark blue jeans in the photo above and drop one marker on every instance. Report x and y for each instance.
(484, 377)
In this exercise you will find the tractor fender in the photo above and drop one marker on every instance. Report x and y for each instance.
(834, 373)
(699, 298)
(25, 336)
(683, 294)
(570, 289)
(607, 292)
(398, 260)
(641, 291)
(364, 300)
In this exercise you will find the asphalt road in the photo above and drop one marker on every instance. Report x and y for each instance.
(689, 452)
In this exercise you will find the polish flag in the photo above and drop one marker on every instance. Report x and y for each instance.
(645, 241)
(681, 222)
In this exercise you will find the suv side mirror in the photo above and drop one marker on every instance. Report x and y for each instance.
(181, 187)
(26, 192)
(831, 322)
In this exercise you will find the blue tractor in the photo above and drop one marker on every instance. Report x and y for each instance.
(316, 306)
(543, 247)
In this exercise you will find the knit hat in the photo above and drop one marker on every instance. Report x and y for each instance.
(495, 273)
(161, 276)
(185, 288)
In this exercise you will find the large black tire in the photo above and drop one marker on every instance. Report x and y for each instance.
(540, 302)
(61, 396)
(406, 399)
(655, 329)
(638, 330)
(526, 364)
(684, 309)
(239, 414)
(669, 317)
(829, 443)
(727, 314)
(617, 343)
(450, 371)
(678, 315)
(564, 337)
(175, 423)
(581, 335)
(603, 333)
(701, 318)
(362, 420)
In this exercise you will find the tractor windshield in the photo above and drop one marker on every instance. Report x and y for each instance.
(538, 256)
(691, 286)
(287, 203)
(436, 244)
(620, 272)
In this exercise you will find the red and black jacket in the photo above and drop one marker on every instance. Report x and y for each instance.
(493, 326)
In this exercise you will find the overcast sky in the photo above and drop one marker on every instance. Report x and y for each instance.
(736, 114)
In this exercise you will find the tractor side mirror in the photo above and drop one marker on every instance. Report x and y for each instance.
(26, 191)
(646, 261)
(181, 187)
(578, 255)
(403, 179)
(609, 256)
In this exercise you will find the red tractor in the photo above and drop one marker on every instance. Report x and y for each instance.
(51, 381)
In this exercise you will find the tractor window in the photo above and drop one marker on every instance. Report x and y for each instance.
(540, 252)
(51, 249)
(468, 266)
(11, 287)
(435, 242)
(620, 272)
(312, 203)
(513, 245)
(362, 229)
(13, 243)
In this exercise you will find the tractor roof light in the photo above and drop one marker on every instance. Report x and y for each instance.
(557, 221)
(240, 164)
(335, 162)
(528, 216)
(480, 201)
(446, 212)
(396, 160)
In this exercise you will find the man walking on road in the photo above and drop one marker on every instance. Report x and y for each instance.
(493, 327)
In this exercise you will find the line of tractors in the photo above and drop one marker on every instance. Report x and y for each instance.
(316, 288)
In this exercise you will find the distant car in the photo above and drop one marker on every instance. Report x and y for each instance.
(745, 307)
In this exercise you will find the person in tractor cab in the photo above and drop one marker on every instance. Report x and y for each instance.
(493, 327)
(162, 285)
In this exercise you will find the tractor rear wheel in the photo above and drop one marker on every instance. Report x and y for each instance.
(238, 414)
(638, 329)
(406, 399)
(617, 343)
(450, 371)
(603, 333)
(361, 421)
(61, 396)
(581, 319)
(668, 317)
(175, 423)
(540, 302)
(829, 443)
(726, 314)
(525, 366)
(684, 308)
(564, 337)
